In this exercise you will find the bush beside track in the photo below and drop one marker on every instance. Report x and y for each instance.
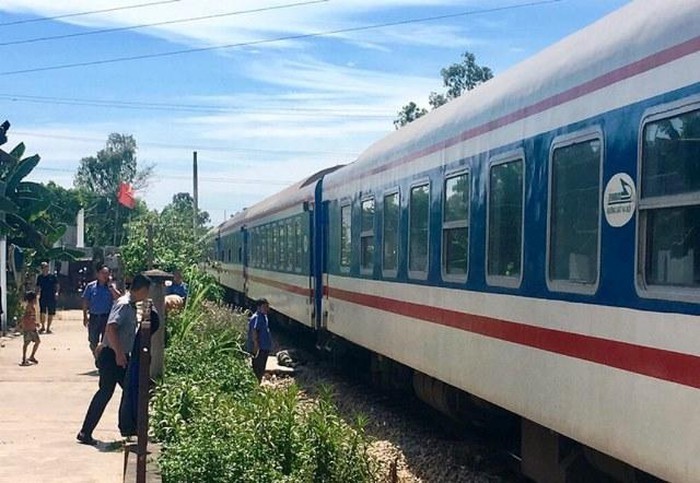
(216, 424)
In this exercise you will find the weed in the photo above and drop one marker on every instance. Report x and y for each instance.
(217, 425)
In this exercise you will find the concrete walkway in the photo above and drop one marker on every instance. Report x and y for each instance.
(42, 407)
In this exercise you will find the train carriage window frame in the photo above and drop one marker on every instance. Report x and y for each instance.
(291, 250)
(298, 259)
(344, 267)
(365, 233)
(418, 274)
(559, 143)
(647, 205)
(455, 225)
(391, 272)
(505, 280)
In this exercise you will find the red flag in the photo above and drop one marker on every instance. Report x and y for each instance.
(126, 195)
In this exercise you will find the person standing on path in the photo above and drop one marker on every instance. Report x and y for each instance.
(98, 298)
(113, 353)
(29, 332)
(47, 286)
(259, 338)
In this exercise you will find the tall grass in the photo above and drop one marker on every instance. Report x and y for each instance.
(217, 425)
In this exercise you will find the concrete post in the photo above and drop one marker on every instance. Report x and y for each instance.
(157, 294)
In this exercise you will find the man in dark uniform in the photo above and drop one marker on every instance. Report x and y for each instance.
(47, 286)
(259, 340)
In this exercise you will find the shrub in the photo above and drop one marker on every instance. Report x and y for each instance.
(217, 425)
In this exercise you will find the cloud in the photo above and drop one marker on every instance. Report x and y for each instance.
(299, 106)
(254, 26)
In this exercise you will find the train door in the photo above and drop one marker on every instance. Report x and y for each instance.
(307, 239)
(243, 260)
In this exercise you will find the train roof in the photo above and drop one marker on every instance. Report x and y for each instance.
(295, 194)
(626, 36)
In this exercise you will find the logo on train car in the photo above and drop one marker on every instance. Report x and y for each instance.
(620, 200)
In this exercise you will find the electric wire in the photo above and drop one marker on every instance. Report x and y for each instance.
(327, 33)
(159, 24)
(193, 147)
(361, 113)
(90, 12)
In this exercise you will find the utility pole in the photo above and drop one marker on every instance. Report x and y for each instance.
(195, 194)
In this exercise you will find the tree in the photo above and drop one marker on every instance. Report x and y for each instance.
(24, 206)
(464, 76)
(98, 178)
(176, 244)
(65, 203)
(458, 78)
(409, 113)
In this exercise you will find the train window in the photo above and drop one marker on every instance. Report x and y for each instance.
(291, 250)
(253, 250)
(270, 256)
(297, 245)
(283, 247)
(367, 235)
(345, 240)
(574, 213)
(419, 214)
(275, 246)
(669, 204)
(390, 234)
(229, 255)
(505, 223)
(455, 226)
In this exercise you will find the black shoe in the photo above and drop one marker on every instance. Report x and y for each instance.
(85, 439)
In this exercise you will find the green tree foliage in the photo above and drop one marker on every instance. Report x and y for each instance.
(217, 425)
(409, 113)
(176, 244)
(457, 78)
(24, 220)
(65, 203)
(98, 178)
(25, 205)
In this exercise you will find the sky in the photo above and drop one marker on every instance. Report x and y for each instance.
(268, 92)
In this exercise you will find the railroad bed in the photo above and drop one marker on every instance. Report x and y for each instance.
(411, 441)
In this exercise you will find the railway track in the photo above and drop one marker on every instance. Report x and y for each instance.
(412, 441)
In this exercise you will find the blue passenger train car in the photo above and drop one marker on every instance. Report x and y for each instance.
(534, 243)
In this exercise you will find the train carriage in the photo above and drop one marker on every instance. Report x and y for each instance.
(282, 264)
(227, 252)
(534, 242)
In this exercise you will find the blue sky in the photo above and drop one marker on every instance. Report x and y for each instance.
(260, 116)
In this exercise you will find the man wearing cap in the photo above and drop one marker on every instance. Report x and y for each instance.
(47, 287)
(98, 297)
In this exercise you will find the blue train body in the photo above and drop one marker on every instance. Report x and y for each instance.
(535, 243)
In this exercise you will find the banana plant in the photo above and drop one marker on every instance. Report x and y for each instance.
(23, 203)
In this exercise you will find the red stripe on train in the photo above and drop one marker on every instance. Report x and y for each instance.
(282, 286)
(658, 363)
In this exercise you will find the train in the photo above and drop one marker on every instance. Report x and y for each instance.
(533, 244)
